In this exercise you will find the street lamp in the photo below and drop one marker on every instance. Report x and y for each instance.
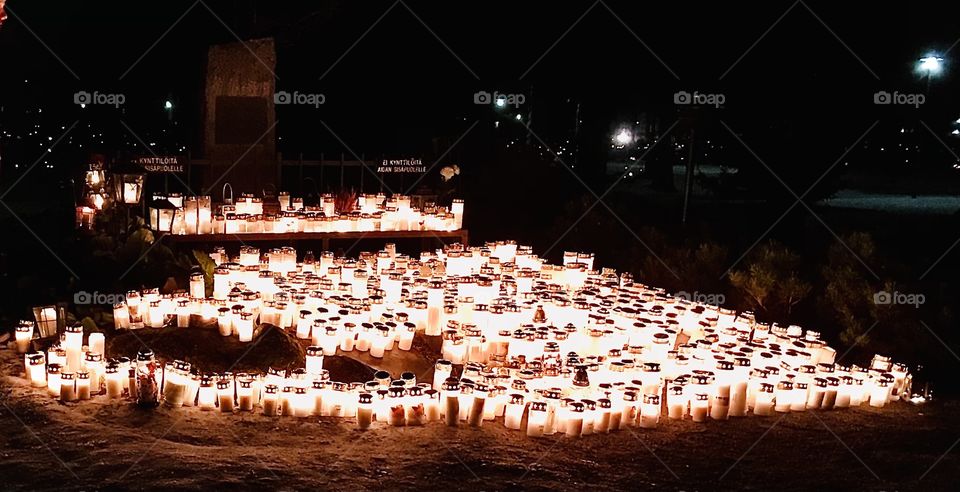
(929, 66)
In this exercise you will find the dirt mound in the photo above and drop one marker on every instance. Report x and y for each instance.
(206, 349)
(347, 370)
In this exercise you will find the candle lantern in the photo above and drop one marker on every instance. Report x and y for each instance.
(73, 343)
(269, 401)
(432, 404)
(93, 364)
(783, 396)
(536, 419)
(82, 385)
(314, 363)
(604, 412)
(114, 381)
(514, 412)
(630, 409)
(477, 402)
(720, 406)
(68, 388)
(54, 372)
(24, 334)
(441, 372)
(650, 411)
(225, 395)
(162, 213)
(573, 426)
(396, 411)
(37, 369)
(415, 408)
(301, 404)
(285, 401)
(84, 217)
(96, 199)
(245, 327)
(698, 407)
(173, 385)
(364, 411)
(49, 320)
(451, 398)
(764, 400)
(456, 207)
(676, 402)
(407, 332)
(207, 394)
(188, 389)
(197, 286)
(97, 343)
(880, 392)
(95, 177)
(128, 187)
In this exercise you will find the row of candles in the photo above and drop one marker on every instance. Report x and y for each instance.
(563, 339)
(195, 215)
(572, 404)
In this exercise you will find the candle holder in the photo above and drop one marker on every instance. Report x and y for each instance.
(451, 396)
(68, 388)
(225, 395)
(364, 411)
(24, 336)
(54, 371)
(432, 405)
(36, 368)
(414, 406)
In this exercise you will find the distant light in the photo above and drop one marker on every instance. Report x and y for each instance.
(500, 102)
(168, 105)
(623, 137)
(958, 121)
(955, 132)
(518, 117)
(931, 64)
(82, 106)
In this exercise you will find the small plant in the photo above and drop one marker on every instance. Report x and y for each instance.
(345, 201)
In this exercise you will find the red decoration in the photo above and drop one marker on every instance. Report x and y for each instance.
(3, 14)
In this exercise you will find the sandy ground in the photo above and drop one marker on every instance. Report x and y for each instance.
(99, 445)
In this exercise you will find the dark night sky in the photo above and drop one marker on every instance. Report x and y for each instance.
(399, 87)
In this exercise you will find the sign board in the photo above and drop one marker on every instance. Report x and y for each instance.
(160, 164)
(401, 166)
